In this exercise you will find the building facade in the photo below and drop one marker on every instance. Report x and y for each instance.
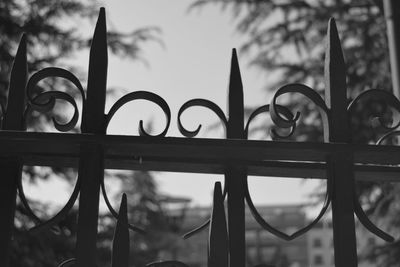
(313, 249)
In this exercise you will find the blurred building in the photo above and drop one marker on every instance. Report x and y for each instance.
(314, 249)
(320, 245)
(262, 247)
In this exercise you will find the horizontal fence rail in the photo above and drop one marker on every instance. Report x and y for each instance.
(92, 151)
(263, 158)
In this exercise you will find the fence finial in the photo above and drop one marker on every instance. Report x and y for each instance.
(335, 87)
(13, 119)
(94, 119)
(120, 250)
(235, 101)
(218, 236)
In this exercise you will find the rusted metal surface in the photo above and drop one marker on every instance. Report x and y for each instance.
(336, 160)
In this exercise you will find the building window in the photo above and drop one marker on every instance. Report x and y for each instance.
(318, 260)
(317, 243)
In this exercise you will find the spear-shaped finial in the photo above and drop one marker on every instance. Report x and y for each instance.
(218, 235)
(120, 250)
(13, 119)
(335, 86)
(97, 78)
(235, 101)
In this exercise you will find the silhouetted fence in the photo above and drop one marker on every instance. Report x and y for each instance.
(336, 160)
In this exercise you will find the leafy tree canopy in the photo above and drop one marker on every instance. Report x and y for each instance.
(53, 29)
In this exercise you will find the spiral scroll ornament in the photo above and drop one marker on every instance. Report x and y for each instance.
(142, 95)
(45, 101)
(391, 102)
(384, 116)
(199, 103)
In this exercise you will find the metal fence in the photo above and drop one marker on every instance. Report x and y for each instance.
(337, 160)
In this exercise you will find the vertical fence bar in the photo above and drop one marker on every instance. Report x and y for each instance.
(120, 250)
(218, 247)
(392, 15)
(11, 168)
(340, 164)
(91, 164)
(236, 175)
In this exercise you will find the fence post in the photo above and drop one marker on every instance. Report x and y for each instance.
(91, 164)
(11, 168)
(235, 175)
(392, 16)
(340, 163)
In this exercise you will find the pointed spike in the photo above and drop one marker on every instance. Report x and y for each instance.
(335, 86)
(121, 245)
(102, 12)
(235, 101)
(334, 60)
(340, 162)
(218, 235)
(99, 42)
(97, 78)
(123, 206)
(13, 119)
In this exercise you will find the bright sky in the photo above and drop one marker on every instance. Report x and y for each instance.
(193, 64)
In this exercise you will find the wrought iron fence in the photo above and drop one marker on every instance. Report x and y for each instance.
(337, 160)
